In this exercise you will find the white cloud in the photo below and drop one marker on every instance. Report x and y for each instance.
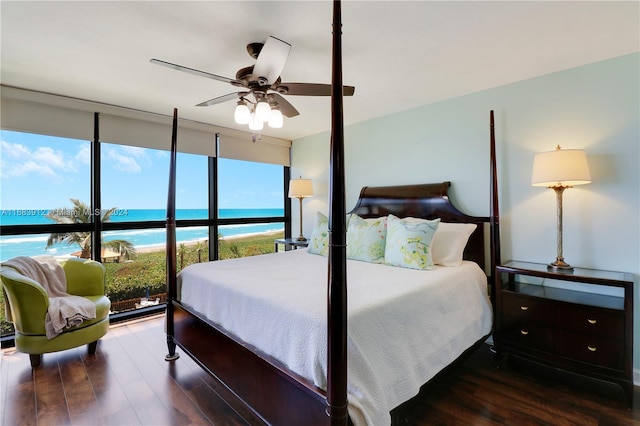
(84, 154)
(125, 163)
(18, 160)
(134, 151)
(14, 150)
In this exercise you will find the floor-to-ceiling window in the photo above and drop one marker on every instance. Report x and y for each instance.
(254, 194)
(44, 198)
(48, 187)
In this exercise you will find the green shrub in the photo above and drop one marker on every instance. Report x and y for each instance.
(130, 279)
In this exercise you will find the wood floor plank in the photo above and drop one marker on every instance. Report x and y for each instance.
(17, 390)
(119, 361)
(81, 400)
(146, 404)
(128, 382)
(113, 404)
(182, 410)
(19, 405)
(199, 386)
(51, 405)
(126, 416)
(536, 407)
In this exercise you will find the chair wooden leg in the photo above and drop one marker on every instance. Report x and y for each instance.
(92, 347)
(35, 360)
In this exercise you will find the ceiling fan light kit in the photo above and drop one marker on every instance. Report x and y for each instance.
(260, 113)
(275, 118)
(263, 110)
(263, 81)
(242, 113)
(255, 123)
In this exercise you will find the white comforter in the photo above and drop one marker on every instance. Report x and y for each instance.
(404, 325)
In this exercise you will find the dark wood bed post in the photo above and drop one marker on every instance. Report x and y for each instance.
(495, 211)
(337, 285)
(171, 241)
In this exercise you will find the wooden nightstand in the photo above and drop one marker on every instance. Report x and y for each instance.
(289, 243)
(586, 328)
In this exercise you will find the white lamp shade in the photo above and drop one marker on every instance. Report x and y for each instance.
(242, 114)
(275, 119)
(255, 123)
(562, 167)
(263, 110)
(300, 188)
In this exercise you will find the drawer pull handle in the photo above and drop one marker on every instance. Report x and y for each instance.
(524, 308)
(592, 321)
(524, 332)
(592, 348)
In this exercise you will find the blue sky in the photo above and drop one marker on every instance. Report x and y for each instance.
(44, 172)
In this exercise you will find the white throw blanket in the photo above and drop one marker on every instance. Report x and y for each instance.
(65, 310)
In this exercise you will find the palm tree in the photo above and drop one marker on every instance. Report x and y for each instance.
(199, 247)
(181, 251)
(81, 213)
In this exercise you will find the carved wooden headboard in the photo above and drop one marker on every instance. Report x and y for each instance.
(427, 201)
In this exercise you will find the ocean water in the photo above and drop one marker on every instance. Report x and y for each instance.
(32, 245)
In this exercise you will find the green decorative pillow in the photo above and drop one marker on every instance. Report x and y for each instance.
(319, 241)
(366, 238)
(409, 242)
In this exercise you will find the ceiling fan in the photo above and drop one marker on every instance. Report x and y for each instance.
(260, 99)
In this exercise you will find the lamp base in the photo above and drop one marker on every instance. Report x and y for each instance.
(560, 266)
(301, 238)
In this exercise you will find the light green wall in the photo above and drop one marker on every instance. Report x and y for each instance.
(594, 107)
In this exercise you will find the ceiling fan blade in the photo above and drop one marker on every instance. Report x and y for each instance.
(271, 59)
(221, 99)
(311, 89)
(286, 108)
(194, 71)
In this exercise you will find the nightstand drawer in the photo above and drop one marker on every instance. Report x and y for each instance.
(523, 332)
(590, 320)
(527, 308)
(592, 349)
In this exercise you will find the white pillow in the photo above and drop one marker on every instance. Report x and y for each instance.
(449, 242)
(409, 242)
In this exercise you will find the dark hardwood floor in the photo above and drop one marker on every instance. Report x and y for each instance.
(128, 382)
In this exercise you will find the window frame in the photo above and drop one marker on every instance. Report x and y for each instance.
(96, 227)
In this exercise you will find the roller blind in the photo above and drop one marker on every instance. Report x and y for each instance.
(263, 151)
(33, 117)
(155, 134)
(45, 113)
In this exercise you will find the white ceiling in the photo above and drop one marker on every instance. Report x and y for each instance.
(398, 54)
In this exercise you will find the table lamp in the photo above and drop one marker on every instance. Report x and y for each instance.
(560, 169)
(300, 188)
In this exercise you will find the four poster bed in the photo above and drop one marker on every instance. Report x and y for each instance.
(273, 331)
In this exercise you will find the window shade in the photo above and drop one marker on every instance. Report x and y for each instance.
(33, 117)
(155, 134)
(266, 150)
(44, 113)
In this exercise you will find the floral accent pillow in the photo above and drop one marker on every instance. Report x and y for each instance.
(319, 241)
(366, 238)
(409, 242)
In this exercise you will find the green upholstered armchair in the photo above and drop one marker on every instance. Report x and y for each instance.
(28, 302)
